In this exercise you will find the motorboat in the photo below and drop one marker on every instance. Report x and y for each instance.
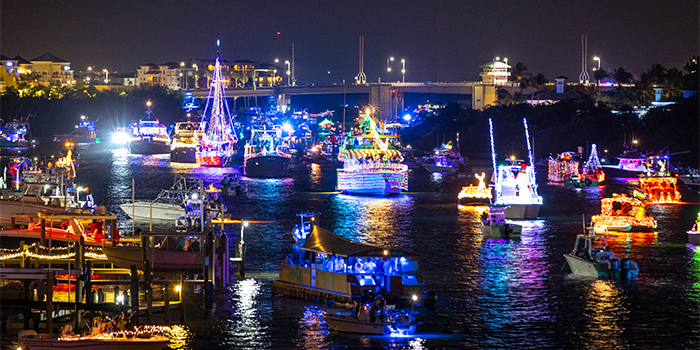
(658, 190)
(15, 138)
(476, 195)
(594, 259)
(182, 198)
(621, 213)
(266, 155)
(445, 159)
(142, 338)
(149, 136)
(516, 184)
(183, 148)
(84, 135)
(218, 142)
(562, 168)
(694, 233)
(399, 326)
(494, 225)
(372, 163)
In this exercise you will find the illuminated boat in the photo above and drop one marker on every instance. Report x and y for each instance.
(371, 160)
(563, 168)
(516, 184)
(218, 142)
(265, 155)
(592, 174)
(84, 134)
(398, 326)
(184, 143)
(658, 190)
(143, 338)
(494, 224)
(475, 195)
(445, 159)
(694, 233)
(149, 136)
(15, 138)
(622, 214)
(596, 260)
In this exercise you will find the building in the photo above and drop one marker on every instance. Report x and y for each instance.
(53, 71)
(495, 72)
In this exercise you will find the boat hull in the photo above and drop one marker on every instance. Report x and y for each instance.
(157, 211)
(124, 257)
(498, 231)
(148, 146)
(439, 169)
(153, 343)
(522, 211)
(351, 325)
(694, 237)
(267, 166)
(183, 155)
(379, 183)
(586, 268)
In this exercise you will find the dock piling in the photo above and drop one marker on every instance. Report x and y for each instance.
(166, 304)
(148, 291)
(49, 302)
(134, 292)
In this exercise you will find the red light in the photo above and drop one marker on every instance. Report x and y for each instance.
(278, 33)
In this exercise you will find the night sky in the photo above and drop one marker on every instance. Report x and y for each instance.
(441, 40)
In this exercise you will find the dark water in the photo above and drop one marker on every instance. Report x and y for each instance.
(491, 294)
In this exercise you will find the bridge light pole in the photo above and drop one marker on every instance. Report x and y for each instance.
(289, 72)
(388, 68)
(403, 70)
(596, 58)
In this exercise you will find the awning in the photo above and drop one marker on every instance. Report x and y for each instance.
(324, 241)
(364, 153)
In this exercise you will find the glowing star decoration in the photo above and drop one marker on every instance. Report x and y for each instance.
(476, 192)
(659, 190)
(621, 211)
(563, 168)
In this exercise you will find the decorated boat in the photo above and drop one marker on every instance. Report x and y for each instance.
(656, 185)
(266, 155)
(148, 135)
(218, 141)
(594, 259)
(475, 195)
(85, 133)
(445, 159)
(182, 199)
(371, 160)
(494, 225)
(183, 148)
(694, 233)
(384, 324)
(15, 138)
(562, 168)
(142, 338)
(592, 174)
(516, 184)
(622, 214)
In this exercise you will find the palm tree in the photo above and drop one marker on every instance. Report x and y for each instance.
(657, 74)
(537, 83)
(599, 75)
(520, 75)
(673, 82)
(622, 76)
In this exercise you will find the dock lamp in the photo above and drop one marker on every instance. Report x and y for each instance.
(178, 288)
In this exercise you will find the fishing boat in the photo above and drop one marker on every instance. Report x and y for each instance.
(694, 233)
(339, 269)
(183, 148)
(475, 195)
(266, 155)
(180, 199)
(622, 214)
(371, 160)
(516, 184)
(445, 159)
(494, 225)
(594, 259)
(15, 138)
(218, 139)
(562, 168)
(592, 174)
(148, 136)
(142, 338)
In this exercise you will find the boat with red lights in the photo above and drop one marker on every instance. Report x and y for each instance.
(372, 162)
(592, 174)
(594, 259)
(562, 168)
(621, 213)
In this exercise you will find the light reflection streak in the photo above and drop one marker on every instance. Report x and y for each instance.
(312, 329)
(604, 308)
(244, 326)
(315, 175)
(694, 274)
(374, 220)
(180, 337)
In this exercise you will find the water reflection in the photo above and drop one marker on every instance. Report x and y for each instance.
(374, 220)
(180, 337)
(312, 329)
(243, 327)
(604, 308)
(693, 289)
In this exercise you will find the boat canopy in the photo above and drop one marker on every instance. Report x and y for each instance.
(324, 241)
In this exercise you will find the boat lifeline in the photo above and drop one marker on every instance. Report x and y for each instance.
(516, 184)
(149, 136)
(265, 154)
(218, 141)
(371, 160)
(595, 259)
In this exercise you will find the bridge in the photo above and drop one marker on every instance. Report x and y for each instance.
(388, 98)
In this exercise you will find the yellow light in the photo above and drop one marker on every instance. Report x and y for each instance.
(148, 103)
(178, 288)
(386, 252)
(512, 157)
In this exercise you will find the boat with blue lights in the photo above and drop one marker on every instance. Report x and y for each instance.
(149, 136)
(594, 259)
(219, 142)
(516, 184)
(445, 159)
(372, 162)
(266, 154)
(15, 138)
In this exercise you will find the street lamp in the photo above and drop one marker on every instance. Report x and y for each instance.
(388, 67)
(107, 76)
(289, 72)
(596, 58)
(403, 70)
(180, 79)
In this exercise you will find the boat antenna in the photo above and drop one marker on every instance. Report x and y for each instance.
(493, 152)
(527, 137)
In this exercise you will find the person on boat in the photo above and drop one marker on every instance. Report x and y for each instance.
(98, 232)
(485, 218)
(289, 260)
(32, 225)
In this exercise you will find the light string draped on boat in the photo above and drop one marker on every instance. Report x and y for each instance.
(373, 125)
(527, 137)
(493, 149)
(94, 253)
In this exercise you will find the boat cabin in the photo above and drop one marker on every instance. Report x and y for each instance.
(622, 213)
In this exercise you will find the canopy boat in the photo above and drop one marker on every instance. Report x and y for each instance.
(475, 195)
(341, 269)
(494, 225)
(694, 233)
(562, 168)
(266, 155)
(592, 174)
(142, 338)
(595, 259)
(631, 161)
(445, 159)
(516, 184)
(218, 141)
(182, 198)
(623, 214)
(371, 160)
(149, 136)
(183, 148)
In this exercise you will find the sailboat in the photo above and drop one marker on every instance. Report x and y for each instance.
(218, 139)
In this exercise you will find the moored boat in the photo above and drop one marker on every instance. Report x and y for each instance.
(596, 260)
(142, 338)
(169, 255)
(182, 198)
(622, 214)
